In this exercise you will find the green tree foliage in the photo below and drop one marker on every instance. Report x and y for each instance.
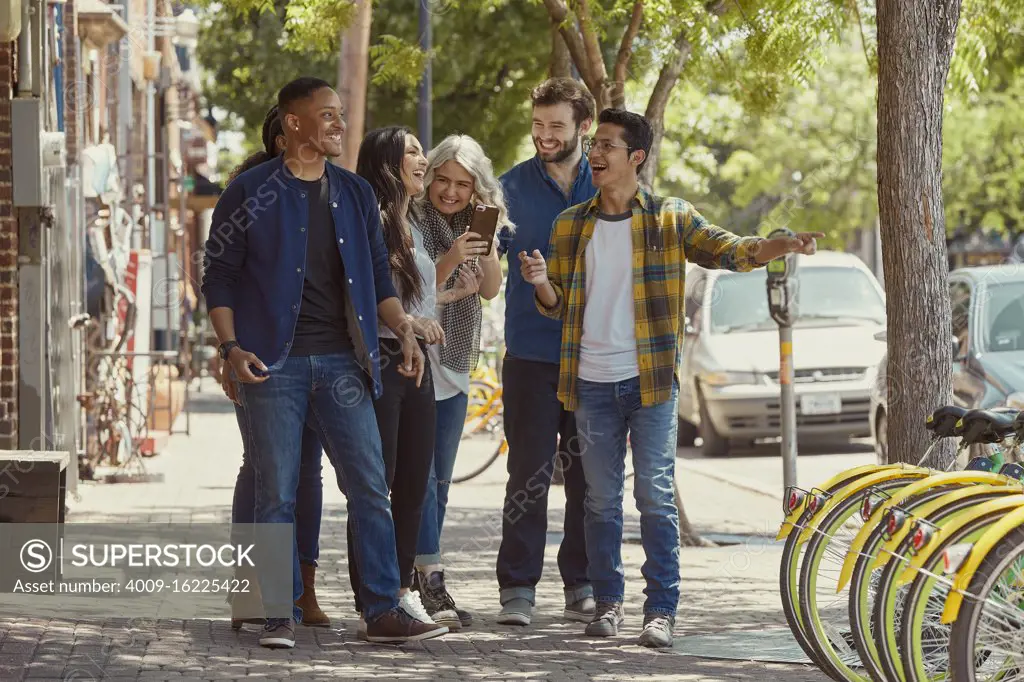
(487, 57)
(810, 162)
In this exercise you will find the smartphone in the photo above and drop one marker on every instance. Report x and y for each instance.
(257, 372)
(484, 223)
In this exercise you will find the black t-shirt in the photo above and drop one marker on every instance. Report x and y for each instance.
(321, 328)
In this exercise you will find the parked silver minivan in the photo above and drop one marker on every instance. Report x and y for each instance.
(729, 390)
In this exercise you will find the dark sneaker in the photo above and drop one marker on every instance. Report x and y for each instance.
(657, 630)
(397, 626)
(518, 611)
(278, 633)
(438, 603)
(581, 610)
(608, 617)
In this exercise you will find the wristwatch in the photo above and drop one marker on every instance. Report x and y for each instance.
(224, 349)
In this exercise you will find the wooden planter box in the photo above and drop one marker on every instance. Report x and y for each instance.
(33, 486)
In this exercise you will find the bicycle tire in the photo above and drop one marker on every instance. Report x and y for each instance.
(482, 468)
(963, 638)
(829, 659)
(861, 586)
(789, 573)
(882, 658)
(915, 605)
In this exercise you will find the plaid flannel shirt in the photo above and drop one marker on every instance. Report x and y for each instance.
(666, 232)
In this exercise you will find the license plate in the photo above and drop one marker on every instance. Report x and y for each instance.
(820, 403)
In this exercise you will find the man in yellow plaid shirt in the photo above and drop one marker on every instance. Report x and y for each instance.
(621, 343)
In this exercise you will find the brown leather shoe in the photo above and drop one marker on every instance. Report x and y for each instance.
(311, 613)
(397, 626)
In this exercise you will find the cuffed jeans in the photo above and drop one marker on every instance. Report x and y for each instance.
(610, 411)
(331, 394)
(308, 500)
(451, 418)
(536, 424)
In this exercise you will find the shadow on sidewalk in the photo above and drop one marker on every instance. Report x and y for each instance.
(551, 648)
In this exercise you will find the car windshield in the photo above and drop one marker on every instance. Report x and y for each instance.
(1004, 317)
(739, 301)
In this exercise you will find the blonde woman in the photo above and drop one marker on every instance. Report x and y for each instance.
(459, 176)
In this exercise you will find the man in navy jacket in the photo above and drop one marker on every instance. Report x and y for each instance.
(296, 277)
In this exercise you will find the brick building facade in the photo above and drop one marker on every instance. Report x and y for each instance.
(8, 260)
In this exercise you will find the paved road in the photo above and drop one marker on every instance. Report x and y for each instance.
(728, 591)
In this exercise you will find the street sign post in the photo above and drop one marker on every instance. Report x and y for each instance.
(782, 305)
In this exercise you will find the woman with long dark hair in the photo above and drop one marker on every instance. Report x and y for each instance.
(392, 161)
(309, 498)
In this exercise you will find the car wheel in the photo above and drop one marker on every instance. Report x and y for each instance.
(714, 445)
(686, 435)
(881, 439)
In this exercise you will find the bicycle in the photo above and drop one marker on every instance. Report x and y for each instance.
(822, 514)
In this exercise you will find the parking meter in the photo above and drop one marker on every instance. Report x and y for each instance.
(782, 306)
(782, 298)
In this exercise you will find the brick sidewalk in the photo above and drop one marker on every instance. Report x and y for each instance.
(729, 588)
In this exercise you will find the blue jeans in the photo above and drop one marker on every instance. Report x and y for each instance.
(308, 500)
(608, 411)
(451, 417)
(331, 394)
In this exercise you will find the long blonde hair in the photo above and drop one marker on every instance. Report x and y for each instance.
(468, 153)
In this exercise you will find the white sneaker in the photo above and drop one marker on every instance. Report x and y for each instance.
(411, 604)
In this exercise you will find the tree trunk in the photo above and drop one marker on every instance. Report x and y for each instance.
(688, 537)
(561, 60)
(915, 44)
(353, 79)
(658, 101)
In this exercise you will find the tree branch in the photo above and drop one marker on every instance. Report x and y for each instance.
(590, 41)
(619, 73)
(559, 12)
(561, 59)
(662, 92)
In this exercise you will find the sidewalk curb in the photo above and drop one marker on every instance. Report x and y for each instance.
(737, 482)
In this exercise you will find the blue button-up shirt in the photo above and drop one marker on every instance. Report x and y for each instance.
(255, 259)
(534, 201)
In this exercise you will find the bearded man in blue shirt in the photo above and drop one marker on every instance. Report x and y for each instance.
(536, 425)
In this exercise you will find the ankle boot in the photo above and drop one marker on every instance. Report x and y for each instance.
(311, 613)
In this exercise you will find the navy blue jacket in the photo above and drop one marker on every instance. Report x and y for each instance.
(256, 257)
(534, 200)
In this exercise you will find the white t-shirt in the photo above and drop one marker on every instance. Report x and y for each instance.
(608, 347)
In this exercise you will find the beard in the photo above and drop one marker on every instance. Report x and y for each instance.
(568, 147)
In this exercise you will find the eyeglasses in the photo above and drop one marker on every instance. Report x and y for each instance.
(604, 146)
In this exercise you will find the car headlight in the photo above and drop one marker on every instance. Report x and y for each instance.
(731, 378)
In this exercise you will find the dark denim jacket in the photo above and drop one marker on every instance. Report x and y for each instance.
(256, 256)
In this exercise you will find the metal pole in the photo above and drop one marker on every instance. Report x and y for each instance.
(150, 126)
(425, 116)
(788, 405)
